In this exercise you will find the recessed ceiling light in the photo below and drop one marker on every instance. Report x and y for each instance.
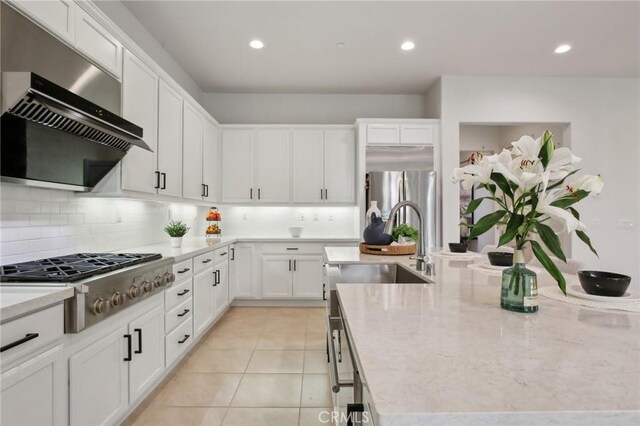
(407, 45)
(563, 48)
(256, 44)
(340, 45)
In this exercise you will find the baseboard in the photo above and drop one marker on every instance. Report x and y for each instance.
(280, 303)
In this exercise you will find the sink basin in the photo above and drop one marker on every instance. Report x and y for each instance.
(377, 273)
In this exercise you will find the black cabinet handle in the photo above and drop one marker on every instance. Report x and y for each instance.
(183, 292)
(207, 188)
(128, 357)
(233, 253)
(186, 337)
(259, 192)
(294, 265)
(139, 331)
(25, 339)
(184, 270)
(321, 196)
(206, 261)
(326, 194)
(293, 248)
(216, 277)
(204, 192)
(224, 253)
(157, 180)
(164, 181)
(251, 193)
(185, 312)
(289, 265)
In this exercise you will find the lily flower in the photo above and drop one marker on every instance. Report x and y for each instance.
(567, 221)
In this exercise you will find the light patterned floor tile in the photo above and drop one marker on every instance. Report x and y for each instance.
(316, 362)
(315, 416)
(262, 417)
(206, 360)
(282, 340)
(268, 390)
(276, 361)
(184, 416)
(199, 390)
(316, 391)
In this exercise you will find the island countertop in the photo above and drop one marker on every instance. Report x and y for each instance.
(446, 353)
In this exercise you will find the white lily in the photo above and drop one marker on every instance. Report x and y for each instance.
(561, 163)
(473, 174)
(527, 147)
(567, 221)
(593, 184)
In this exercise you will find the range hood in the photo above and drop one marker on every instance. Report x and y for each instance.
(60, 114)
(32, 97)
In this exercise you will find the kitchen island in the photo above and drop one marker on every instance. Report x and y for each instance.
(446, 353)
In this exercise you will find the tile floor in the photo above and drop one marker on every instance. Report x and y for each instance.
(257, 366)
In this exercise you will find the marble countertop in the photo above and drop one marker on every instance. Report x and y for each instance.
(446, 353)
(18, 301)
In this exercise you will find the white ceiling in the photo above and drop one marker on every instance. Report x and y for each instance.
(210, 40)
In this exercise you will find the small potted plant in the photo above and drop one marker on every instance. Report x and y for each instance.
(176, 230)
(404, 233)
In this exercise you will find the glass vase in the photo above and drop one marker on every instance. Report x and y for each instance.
(519, 286)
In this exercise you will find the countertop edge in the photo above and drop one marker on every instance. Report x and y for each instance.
(36, 303)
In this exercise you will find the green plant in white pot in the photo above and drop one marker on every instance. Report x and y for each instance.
(176, 230)
(535, 187)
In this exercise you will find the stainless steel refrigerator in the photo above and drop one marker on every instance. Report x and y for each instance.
(397, 174)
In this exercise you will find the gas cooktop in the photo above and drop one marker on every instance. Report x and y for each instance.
(72, 267)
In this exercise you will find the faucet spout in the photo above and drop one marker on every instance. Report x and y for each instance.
(388, 229)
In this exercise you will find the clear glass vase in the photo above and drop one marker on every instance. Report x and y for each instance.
(519, 286)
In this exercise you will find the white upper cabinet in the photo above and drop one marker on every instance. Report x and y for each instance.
(58, 16)
(419, 134)
(237, 166)
(97, 43)
(339, 166)
(210, 161)
(272, 166)
(193, 130)
(169, 141)
(404, 132)
(307, 167)
(140, 106)
(383, 133)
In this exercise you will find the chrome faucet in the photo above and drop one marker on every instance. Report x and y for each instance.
(421, 265)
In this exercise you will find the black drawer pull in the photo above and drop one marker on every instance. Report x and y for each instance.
(183, 292)
(25, 339)
(186, 337)
(293, 248)
(224, 253)
(233, 254)
(185, 312)
(139, 331)
(184, 270)
(206, 261)
(128, 357)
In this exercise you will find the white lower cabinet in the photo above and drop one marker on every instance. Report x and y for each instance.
(285, 276)
(203, 294)
(110, 373)
(276, 276)
(179, 340)
(221, 288)
(241, 280)
(307, 277)
(31, 393)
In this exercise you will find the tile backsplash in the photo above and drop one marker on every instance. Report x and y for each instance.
(36, 223)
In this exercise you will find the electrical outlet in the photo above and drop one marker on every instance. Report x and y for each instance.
(301, 218)
(331, 218)
(625, 224)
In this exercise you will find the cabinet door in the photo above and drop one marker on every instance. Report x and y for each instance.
(221, 298)
(418, 134)
(308, 166)
(307, 277)
(210, 161)
(276, 276)
(140, 106)
(147, 364)
(203, 296)
(339, 166)
(272, 166)
(237, 166)
(169, 141)
(386, 134)
(97, 43)
(31, 392)
(241, 266)
(58, 16)
(192, 135)
(98, 382)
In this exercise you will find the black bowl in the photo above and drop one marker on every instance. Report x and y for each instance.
(457, 247)
(500, 258)
(604, 283)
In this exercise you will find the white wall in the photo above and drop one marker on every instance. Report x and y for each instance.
(123, 18)
(255, 108)
(605, 131)
(37, 223)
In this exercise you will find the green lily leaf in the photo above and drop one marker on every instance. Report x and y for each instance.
(574, 212)
(550, 239)
(549, 265)
(486, 223)
(502, 183)
(546, 151)
(474, 204)
(585, 239)
(513, 226)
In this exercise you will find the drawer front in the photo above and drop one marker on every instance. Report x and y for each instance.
(28, 333)
(204, 261)
(417, 135)
(178, 293)
(293, 248)
(221, 255)
(383, 133)
(179, 341)
(183, 269)
(177, 315)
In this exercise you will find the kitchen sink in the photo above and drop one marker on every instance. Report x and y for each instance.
(377, 273)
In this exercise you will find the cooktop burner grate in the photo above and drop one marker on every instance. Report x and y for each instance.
(72, 267)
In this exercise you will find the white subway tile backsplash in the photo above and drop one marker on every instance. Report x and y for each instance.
(39, 219)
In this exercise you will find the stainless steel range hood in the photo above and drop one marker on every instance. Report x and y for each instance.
(60, 113)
